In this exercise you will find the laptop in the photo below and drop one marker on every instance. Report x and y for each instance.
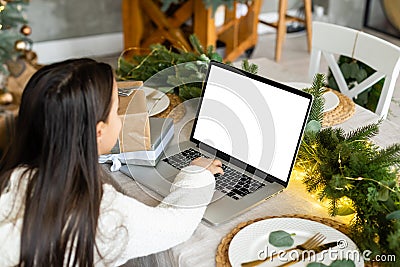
(254, 125)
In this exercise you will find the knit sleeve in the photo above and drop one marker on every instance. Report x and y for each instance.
(138, 230)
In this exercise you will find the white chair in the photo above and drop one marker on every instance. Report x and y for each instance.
(331, 40)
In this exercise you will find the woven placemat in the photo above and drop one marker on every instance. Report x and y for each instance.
(222, 258)
(341, 113)
(175, 110)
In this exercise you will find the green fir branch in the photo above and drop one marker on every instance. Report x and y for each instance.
(338, 164)
(316, 90)
(198, 48)
(249, 67)
(364, 132)
(387, 157)
(143, 67)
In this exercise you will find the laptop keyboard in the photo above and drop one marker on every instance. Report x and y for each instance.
(232, 183)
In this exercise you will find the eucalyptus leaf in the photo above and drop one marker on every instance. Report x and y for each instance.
(383, 194)
(362, 98)
(191, 66)
(313, 126)
(345, 68)
(280, 239)
(344, 211)
(203, 57)
(395, 215)
(173, 80)
(332, 83)
(354, 69)
(342, 263)
(361, 75)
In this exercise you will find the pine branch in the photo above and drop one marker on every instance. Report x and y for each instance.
(364, 132)
(316, 90)
(318, 85)
(246, 66)
(387, 157)
(195, 42)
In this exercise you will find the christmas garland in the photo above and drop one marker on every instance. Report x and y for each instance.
(160, 57)
(348, 168)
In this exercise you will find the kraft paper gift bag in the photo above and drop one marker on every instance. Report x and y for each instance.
(135, 132)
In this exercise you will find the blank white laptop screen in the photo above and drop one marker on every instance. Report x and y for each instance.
(257, 123)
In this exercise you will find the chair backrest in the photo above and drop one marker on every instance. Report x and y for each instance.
(331, 40)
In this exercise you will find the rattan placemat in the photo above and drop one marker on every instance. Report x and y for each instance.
(175, 110)
(222, 259)
(341, 113)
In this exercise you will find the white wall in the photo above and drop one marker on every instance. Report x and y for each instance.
(75, 28)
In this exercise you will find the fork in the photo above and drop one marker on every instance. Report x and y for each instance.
(314, 241)
(156, 99)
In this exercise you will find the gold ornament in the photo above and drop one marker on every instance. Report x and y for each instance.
(5, 98)
(20, 45)
(26, 30)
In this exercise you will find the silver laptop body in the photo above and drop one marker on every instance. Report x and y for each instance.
(253, 125)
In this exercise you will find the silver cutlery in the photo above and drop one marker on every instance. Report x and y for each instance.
(156, 96)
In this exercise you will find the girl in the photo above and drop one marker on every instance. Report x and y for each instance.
(54, 208)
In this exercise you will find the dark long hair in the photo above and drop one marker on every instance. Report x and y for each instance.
(56, 141)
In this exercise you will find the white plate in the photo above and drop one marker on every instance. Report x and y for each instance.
(250, 242)
(157, 101)
(331, 101)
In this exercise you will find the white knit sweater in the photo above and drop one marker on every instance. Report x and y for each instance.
(127, 228)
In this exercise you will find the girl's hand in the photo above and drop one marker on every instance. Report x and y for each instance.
(214, 166)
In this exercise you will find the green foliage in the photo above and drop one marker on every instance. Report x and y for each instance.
(142, 67)
(252, 68)
(316, 90)
(11, 19)
(355, 72)
(340, 165)
(280, 239)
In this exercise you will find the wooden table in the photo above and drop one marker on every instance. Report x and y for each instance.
(238, 34)
(200, 249)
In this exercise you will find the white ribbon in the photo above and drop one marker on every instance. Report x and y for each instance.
(116, 163)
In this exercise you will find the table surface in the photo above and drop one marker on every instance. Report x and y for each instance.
(200, 249)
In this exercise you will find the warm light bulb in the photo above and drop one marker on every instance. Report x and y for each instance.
(20, 45)
(2, 8)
